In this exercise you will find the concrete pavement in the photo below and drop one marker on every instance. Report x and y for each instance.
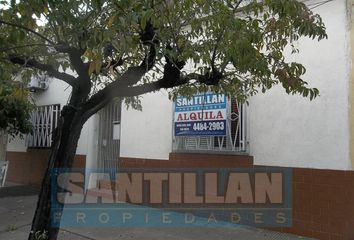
(17, 207)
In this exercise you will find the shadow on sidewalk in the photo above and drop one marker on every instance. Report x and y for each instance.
(17, 191)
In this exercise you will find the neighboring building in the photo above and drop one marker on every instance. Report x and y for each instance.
(315, 138)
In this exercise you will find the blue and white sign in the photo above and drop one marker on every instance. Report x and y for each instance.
(200, 115)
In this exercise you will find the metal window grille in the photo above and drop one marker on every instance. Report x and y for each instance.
(235, 139)
(44, 120)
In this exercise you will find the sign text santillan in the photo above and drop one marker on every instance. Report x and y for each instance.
(160, 197)
(201, 114)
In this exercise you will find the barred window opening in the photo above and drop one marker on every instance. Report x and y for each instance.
(233, 141)
(44, 121)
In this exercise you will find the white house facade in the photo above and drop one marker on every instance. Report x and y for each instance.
(314, 138)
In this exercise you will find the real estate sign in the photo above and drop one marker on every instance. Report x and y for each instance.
(200, 115)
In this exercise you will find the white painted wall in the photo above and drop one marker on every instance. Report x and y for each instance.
(148, 134)
(92, 151)
(292, 131)
(283, 130)
(16, 144)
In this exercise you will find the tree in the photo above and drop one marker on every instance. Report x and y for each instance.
(125, 48)
(15, 111)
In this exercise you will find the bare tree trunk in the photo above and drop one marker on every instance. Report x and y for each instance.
(62, 156)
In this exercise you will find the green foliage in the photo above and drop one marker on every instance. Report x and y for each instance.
(11, 228)
(41, 235)
(244, 42)
(15, 110)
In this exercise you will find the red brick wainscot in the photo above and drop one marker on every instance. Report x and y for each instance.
(323, 204)
(323, 200)
(28, 168)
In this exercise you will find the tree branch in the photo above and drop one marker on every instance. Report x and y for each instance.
(83, 80)
(133, 74)
(148, 38)
(149, 59)
(32, 63)
(28, 30)
(119, 89)
(24, 46)
(75, 58)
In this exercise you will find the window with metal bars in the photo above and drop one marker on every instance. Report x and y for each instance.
(235, 139)
(235, 122)
(44, 120)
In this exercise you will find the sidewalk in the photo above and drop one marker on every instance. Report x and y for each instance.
(17, 205)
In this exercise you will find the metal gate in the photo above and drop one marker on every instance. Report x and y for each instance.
(108, 143)
(44, 120)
